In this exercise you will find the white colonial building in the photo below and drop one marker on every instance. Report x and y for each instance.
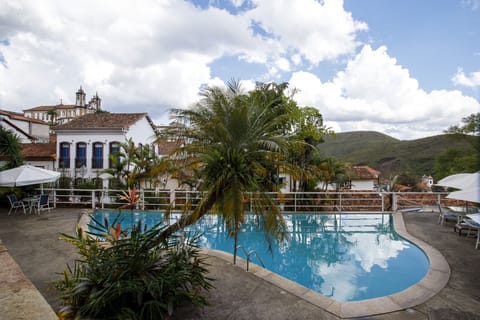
(63, 113)
(85, 143)
(27, 130)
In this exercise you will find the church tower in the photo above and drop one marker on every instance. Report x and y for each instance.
(80, 100)
(95, 103)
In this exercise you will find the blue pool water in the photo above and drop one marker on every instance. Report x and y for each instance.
(345, 257)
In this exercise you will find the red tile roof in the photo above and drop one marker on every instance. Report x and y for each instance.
(39, 151)
(59, 106)
(364, 173)
(103, 120)
(21, 117)
(166, 147)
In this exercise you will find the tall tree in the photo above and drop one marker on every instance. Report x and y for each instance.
(471, 125)
(234, 140)
(10, 148)
(52, 113)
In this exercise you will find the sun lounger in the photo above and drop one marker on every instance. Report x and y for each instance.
(447, 214)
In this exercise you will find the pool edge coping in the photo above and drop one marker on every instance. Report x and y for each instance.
(435, 280)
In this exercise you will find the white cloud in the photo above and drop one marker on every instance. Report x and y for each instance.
(318, 31)
(461, 79)
(374, 92)
(155, 55)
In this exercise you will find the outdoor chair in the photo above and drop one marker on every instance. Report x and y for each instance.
(15, 204)
(43, 203)
(446, 214)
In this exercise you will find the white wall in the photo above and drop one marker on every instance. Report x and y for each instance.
(89, 137)
(363, 184)
(38, 130)
(142, 132)
(49, 165)
(22, 137)
(41, 131)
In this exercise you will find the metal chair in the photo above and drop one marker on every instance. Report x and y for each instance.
(446, 214)
(15, 204)
(43, 203)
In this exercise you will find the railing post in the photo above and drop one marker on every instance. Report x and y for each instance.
(383, 202)
(55, 198)
(394, 201)
(341, 206)
(172, 197)
(295, 202)
(93, 199)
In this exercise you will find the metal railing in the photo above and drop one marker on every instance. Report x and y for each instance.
(287, 202)
(250, 253)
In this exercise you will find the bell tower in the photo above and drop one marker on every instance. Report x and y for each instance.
(80, 100)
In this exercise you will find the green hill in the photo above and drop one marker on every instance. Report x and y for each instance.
(392, 156)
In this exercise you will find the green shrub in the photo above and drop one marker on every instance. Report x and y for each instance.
(133, 277)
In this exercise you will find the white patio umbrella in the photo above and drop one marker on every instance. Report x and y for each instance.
(471, 195)
(468, 183)
(27, 175)
(460, 180)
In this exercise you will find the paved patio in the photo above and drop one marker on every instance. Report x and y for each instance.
(33, 242)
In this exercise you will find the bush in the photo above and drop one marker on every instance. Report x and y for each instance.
(133, 277)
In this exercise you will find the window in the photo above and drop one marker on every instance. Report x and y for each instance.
(64, 161)
(97, 160)
(81, 159)
(114, 152)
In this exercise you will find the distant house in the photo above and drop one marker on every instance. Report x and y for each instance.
(63, 113)
(42, 155)
(27, 129)
(363, 178)
(84, 144)
(426, 183)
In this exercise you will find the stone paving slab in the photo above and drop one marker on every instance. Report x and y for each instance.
(19, 298)
(33, 242)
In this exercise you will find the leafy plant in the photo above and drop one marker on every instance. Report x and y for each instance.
(131, 276)
(10, 148)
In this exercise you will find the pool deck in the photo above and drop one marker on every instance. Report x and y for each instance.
(32, 242)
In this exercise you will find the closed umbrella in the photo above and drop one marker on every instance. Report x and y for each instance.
(27, 175)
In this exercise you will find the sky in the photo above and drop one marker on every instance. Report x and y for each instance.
(406, 68)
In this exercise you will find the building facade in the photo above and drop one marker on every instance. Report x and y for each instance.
(84, 145)
(62, 113)
(28, 130)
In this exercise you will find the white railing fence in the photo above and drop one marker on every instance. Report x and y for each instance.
(288, 202)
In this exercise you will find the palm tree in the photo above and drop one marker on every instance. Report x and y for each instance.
(10, 147)
(331, 171)
(123, 163)
(234, 140)
(53, 116)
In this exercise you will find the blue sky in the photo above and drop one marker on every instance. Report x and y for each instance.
(406, 68)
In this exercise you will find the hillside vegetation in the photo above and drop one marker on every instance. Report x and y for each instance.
(392, 156)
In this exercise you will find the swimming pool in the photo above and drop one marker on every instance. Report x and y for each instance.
(347, 257)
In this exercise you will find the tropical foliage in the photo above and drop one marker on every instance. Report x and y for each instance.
(237, 143)
(136, 165)
(10, 148)
(131, 275)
